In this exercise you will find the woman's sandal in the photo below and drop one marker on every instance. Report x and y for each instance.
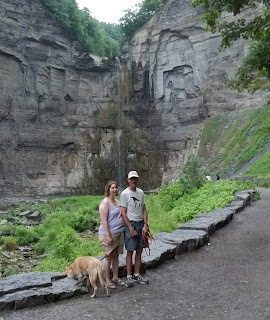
(118, 281)
(110, 285)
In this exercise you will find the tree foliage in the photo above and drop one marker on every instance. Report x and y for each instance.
(192, 176)
(135, 18)
(91, 35)
(255, 71)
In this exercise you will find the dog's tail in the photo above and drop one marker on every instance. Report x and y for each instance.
(100, 276)
(101, 279)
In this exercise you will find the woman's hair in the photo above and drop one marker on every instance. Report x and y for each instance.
(108, 186)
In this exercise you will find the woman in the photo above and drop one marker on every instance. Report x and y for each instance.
(111, 234)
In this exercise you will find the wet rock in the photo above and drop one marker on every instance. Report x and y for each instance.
(6, 232)
(25, 213)
(5, 254)
(35, 216)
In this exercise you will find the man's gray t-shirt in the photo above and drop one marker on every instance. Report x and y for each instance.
(134, 202)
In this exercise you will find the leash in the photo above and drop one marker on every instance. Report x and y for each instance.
(147, 240)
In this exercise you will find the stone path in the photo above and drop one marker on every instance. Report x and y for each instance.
(32, 289)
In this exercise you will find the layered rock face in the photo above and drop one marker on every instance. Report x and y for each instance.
(70, 121)
(178, 67)
(58, 130)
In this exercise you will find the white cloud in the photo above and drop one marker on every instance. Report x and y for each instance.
(107, 10)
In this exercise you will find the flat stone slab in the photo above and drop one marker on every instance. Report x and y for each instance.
(25, 213)
(40, 289)
(246, 196)
(25, 281)
(236, 205)
(35, 215)
(159, 252)
(184, 240)
(209, 222)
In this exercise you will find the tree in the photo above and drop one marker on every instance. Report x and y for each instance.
(255, 71)
(192, 176)
(80, 26)
(134, 19)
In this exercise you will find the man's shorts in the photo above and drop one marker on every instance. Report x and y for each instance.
(134, 243)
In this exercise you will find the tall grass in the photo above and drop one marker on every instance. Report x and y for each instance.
(261, 168)
(231, 142)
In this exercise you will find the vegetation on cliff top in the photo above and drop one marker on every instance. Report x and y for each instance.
(135, 18)
(100, 38)
(255, 71)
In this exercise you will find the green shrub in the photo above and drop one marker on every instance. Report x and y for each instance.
(52, 263)
(168, 194)
(2, 240)
(25, 236)
(209, 197)
(84, 222)
(191, 177)
(9, 243)
(65, 244)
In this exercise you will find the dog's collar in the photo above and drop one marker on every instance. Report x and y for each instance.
(70, 267)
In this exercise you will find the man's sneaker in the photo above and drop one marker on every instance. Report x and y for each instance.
(140, 279)
(129, 283)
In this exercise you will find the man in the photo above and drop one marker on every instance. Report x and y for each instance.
(135, 217)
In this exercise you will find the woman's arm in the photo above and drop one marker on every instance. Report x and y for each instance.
(104, 214)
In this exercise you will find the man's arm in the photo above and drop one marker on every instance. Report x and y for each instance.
(133, 232)
(145, 219)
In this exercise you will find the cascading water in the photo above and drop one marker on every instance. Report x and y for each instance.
(119, 139)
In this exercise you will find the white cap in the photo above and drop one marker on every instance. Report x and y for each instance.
(133, 174)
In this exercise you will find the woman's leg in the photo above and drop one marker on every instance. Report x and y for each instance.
(106, 267)
(115, 264)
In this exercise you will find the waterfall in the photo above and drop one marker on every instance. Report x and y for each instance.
(119, 139)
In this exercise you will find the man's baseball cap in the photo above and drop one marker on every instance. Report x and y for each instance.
(133, 174)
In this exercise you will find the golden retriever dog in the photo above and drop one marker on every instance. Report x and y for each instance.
(87, 266)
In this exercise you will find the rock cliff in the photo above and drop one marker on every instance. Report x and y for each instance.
(58, 126)
(69, 121)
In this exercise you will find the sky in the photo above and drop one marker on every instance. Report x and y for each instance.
(109, 11)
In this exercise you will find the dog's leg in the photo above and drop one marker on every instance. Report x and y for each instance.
(107, 290)
(80, 279)
(93, 280)
(101, 275)
(88, 283)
